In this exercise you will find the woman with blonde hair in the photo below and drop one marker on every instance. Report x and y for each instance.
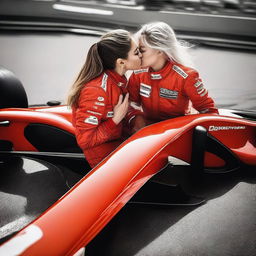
(98, 97)
(167, 85)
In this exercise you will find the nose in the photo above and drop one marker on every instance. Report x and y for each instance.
(140, 54)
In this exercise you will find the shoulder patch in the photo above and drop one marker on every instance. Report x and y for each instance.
(180, 71)
(93, 112)
(91, 120)
(104, 82)
(145, 90)
(99, 103)
(156, 76)
(198, 83)
(138, 71)
(110, 114)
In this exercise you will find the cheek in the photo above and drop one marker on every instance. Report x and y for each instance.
(134, 63)
(148, 58)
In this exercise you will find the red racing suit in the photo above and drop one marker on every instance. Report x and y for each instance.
(167, 93)
(96, 132)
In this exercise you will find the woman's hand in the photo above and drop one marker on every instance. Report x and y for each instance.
(121, 108)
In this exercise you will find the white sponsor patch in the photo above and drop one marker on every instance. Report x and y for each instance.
(104, 82)
(101, 98)
(145, 90)
(156, 76)
(120, 84)
(202, 94)
(93, 112)
(110, 114)
(91, 120)
(140, 71)
(99, 103)
(169, 94)
(180, 71)
(199, 91)
(225, 128)
(198, 83)
(204, 111)
(18, 244)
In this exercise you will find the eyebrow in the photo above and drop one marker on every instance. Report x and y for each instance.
(136, 49)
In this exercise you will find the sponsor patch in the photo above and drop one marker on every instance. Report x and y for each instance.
(93, 112)
(145, 90)
(156, 76)
(99, 103)
(180, 71)
(104, 82)
(140, 71)
(110, 114)
(202, 94)
(224, 128)
(198, 83)
(101, 98)
(169, 94)
(91, 120)
(200, 90)
(120, 84)
(204, 111)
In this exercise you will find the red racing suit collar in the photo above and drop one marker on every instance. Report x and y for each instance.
(119, 80)
(162, 73)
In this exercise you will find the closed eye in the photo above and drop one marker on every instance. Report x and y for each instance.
(142, 50)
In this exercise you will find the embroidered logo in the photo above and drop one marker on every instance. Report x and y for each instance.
(145, 90)
(99, 103)
(91, 120)
(93, 112)
(100, 98)
(180, 71)
(140, 71)
(110, 114)
(198, 83)
(104, 82)
(203, 93)
(156, 76)
(200, 88)
(223, 128)
(169, 94)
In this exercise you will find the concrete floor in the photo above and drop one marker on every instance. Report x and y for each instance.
(225, 225)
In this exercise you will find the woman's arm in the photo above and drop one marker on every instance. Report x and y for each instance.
(91, 129)
(198, 94)
(135, 116)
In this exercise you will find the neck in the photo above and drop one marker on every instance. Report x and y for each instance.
(159, 65)
(120, 70)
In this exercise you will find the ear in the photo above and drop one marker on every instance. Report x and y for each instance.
(120, 61)
(160, 52)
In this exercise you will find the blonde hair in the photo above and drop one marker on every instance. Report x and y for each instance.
(160, 36)
(101, 55)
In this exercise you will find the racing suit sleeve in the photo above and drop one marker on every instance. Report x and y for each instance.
(133, 88)
(198, 94)
(91, 129)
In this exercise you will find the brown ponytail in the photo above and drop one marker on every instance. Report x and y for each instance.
(92, 68)
(102, 55)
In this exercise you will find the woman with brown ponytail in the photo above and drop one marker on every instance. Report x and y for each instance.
(98, 97)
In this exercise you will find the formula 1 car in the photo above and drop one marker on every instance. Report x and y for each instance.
(53, 204)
